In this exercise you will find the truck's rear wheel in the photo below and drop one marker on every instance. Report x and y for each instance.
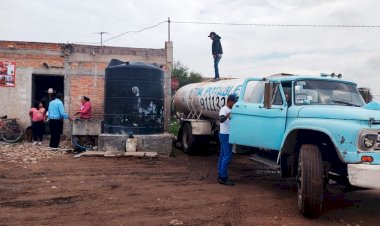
(310, 181)
(187, 138)
(192, 144)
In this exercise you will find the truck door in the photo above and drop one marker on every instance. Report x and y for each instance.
(258, 120)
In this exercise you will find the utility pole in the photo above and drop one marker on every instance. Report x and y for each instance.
(168, 29)
(101, 36)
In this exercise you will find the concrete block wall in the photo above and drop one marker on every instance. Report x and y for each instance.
(83, 69)
(160, 143)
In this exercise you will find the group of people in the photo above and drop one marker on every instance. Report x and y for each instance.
(225, 155)
(50, 109)
(55, 115)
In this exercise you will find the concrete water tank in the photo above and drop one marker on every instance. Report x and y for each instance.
(134, 98)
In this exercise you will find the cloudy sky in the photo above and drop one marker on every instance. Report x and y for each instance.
(249, 50)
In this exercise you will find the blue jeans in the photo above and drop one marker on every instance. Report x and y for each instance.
(216, 63)
(225, 156)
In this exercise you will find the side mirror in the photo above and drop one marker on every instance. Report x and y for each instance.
(268, 95)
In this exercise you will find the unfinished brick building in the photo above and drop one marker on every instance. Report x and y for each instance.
(75, 70)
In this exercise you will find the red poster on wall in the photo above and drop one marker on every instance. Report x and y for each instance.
(7, 74)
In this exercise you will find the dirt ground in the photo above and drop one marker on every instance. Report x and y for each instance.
(180, 190)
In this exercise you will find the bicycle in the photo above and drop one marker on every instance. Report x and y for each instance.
(10, 129)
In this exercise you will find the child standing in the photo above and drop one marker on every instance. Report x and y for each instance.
(38, 114)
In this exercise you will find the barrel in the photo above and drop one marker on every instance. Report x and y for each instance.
(134, 98)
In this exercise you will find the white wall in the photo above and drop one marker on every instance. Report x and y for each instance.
(16, 101)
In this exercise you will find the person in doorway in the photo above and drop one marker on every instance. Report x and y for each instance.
(85, 108)
(225, 155)
(217, 52)
(38, 114)
(56, 115)
(48, 98)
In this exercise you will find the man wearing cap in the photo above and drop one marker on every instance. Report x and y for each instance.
(47, 99)
(225, 155)
(217, 52)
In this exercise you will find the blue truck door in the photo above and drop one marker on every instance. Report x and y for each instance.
(254, 125)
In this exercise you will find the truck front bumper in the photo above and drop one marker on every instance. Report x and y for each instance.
(364, 175)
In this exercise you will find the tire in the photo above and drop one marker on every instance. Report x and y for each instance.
(187, 139)
(193, 144)
(310, 181)
(178, 142)
(12, 131)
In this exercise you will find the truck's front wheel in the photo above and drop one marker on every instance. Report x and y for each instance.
(310, 180)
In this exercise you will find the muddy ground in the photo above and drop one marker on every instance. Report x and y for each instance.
(182, 190)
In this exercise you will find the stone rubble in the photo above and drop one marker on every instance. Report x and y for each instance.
(26, 153)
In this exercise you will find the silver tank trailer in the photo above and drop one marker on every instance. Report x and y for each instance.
(199, 105)
(204, 100)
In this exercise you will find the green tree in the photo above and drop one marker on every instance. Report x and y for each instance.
(182, 74)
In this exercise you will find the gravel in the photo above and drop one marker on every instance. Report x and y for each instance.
(25, 152)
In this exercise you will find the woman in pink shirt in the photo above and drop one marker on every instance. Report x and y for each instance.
(38, 113)
(85, 108)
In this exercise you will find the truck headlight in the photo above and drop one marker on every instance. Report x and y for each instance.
(369, 140)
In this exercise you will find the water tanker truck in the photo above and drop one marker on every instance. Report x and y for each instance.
(317, 130)
(199, 105)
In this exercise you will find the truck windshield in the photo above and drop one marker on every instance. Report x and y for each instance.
(320, 92)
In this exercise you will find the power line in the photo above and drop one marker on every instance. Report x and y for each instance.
(277, 25)
(229, 24)
(117, 36)
(138, 31)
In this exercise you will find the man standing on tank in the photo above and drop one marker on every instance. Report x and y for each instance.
(225, 155)
(217, 52)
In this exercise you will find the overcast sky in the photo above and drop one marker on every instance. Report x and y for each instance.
(248, 50)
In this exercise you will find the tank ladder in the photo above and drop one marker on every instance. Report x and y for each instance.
(195, 110)
(193, 105)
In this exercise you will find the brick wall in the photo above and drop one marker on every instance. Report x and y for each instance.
(90, 87)
(31, 54)
(82, 66)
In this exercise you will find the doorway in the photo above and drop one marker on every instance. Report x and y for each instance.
(41, 84)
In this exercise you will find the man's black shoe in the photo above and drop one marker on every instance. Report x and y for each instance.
(227, 182)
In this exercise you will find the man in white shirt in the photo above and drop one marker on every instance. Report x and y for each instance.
(225, 147)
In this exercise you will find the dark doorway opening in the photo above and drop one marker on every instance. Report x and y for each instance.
(41, 84)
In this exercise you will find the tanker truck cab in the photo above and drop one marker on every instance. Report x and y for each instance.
(316, 129)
